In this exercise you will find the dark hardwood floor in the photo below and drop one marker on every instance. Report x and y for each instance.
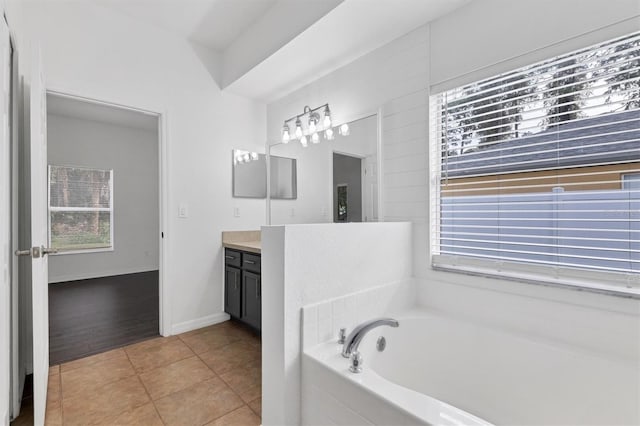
(95, 315)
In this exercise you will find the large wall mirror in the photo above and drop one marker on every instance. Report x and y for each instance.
(337, 180)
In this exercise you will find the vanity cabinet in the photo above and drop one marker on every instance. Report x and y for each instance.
(242, 287)
(232, 291)
(251, 299)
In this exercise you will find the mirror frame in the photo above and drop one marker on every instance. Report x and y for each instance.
(379, 147)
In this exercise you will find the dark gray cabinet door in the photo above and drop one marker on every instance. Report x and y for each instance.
(251, 295)
(232, 291)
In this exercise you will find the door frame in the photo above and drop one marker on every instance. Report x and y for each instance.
(161, 114)
(379, 162)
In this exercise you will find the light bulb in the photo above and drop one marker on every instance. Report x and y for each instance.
(247, 157)
(254, 155)
(286, 137)
(344, 129)
(298, 128)
(315, 138)
(328, 134)
(312, 125)
(303, 141)
(327, 118)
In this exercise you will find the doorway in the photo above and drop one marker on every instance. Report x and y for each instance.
(347, 188)
(104, 222)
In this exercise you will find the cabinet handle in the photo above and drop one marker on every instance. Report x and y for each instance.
(229, 257)
(250, 262)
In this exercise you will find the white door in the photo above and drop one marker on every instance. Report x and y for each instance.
(5, 230)
(39, 237)
(370, 188)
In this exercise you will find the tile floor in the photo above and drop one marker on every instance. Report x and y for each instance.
(210, 376)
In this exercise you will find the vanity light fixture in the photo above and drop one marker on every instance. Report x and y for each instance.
(328, 134)
(298, 127)
(313, 121)
(286, 137)
(240, 156)
(327, 118)
(314, 126)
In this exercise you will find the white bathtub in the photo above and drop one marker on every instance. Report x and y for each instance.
(440, 371)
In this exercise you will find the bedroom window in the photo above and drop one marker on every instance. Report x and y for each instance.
(80, 209)
(534, 171)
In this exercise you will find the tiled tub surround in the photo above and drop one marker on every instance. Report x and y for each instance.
(208, 376)
(322, 321)
(433, 359)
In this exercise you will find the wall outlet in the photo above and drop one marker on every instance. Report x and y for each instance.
(236, 212)
(183, 210)
(292, 212)
(323, 211)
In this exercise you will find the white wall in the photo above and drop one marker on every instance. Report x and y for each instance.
(132, 154)
(306, 264)
(93, 52)
(314, 172)
(465, 43)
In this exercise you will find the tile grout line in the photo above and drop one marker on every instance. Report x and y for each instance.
(244, 404)
(251, 408)
(223, 381)
(144, 387)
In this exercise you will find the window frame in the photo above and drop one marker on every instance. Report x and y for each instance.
(622, 284)
(51, 209)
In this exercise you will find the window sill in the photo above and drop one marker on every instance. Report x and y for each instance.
(586, 281)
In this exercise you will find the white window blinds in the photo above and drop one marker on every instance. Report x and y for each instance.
(531, 169)
(80, 208)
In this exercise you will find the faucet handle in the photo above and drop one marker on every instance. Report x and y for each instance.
(342, 336)
(356, 362)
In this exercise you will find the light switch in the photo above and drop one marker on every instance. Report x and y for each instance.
(183, 210)
(236, 212)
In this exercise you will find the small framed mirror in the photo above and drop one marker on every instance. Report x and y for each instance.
(249, 174)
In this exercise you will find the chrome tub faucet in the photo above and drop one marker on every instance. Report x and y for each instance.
(352, 342)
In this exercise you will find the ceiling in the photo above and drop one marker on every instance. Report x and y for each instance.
(214, 24)
(347, 32)
(243, 43)
(77, 108)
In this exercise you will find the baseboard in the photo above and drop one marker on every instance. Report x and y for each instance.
(185, 326)
(100, 274)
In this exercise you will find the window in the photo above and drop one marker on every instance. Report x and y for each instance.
(535, 171)
(80, 209)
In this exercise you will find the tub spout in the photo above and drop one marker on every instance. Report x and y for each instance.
(355, 337)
